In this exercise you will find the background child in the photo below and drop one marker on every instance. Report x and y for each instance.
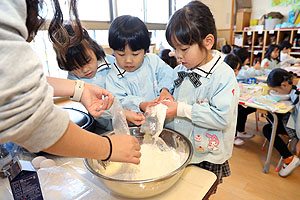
(246, 71)
(284, 82)
(206, 91)
(235, 63)
(272, 58)
(169, 59)
(226, 49)
(87, 61)
(285, 59)
(136, 78)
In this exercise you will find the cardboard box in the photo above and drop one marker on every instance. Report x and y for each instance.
(243, 17)
(24, 181)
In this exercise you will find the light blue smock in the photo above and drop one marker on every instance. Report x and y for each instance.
(212, 126)
(144, 84)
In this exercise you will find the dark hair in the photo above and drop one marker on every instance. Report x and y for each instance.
(242, 53)
(170, 60)
(284, 44)
(58, 34)
(77, 56)
(191, 24)
(269, 51)
(56, 30)
(34, 20)
(226, 49)
(233, 61)
(129, 30)
(277, 76)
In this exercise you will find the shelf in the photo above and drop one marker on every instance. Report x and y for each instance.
(295, 53)
(247, 46)
(295, 47)
(258, 46)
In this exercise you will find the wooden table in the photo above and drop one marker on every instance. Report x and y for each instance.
(265, 110)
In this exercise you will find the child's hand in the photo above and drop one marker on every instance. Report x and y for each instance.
(257, 66)
(172, 108)
(165, 95)
(146, 104)
(266, 65)
(135, 118)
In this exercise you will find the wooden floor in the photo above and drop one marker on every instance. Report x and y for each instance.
(247, 180)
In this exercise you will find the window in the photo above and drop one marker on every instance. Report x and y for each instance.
(131, 7)
(94, 10)
(48, 9)
(180, 3)
(43, 47)
(157, 14)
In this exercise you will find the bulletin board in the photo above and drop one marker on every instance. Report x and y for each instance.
(285, 2)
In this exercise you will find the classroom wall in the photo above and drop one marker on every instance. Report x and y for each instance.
(221, 10)
(261, 7)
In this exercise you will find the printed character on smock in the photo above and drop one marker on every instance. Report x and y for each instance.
(143, 84)
(210, 94)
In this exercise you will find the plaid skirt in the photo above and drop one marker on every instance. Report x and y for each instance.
(221, 170)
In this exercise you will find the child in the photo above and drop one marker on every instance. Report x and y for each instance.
(284, 82)
(167, 56)
(88, 62)
(226, 49)
(234, 62)
(206, 91)
(285, 59)
(136, 78)
(272, 58)
(246, 71)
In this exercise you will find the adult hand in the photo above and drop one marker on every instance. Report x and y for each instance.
(172, 108)
(92, 99)
(165, 95)
(125, 148)
(135, 118)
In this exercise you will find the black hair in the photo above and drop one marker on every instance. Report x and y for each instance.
(191, 24)
(269, 51)
(284, 44)
(242, 53)
(170, 60)
(77, 56)
(233, 61)
(33, 20)
(277, 76)
(226, 49)
(129, 30)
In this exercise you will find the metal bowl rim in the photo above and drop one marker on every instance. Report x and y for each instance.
(146, 180)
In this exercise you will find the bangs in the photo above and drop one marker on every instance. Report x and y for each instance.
(136, 40)
(77, 57)
(128, 30)
(181, 31)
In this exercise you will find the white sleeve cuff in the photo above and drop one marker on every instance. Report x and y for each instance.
(184, 110)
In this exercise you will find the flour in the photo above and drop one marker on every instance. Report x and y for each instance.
(154, 163)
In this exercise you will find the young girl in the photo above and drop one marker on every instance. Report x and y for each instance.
(284, 82)
(136, 78)
(206, 91)
(235, 63)
(246, 71)
(286, 60)
(87, 61)
(272, 58)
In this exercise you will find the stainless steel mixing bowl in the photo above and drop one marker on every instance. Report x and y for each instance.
(149, 187)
